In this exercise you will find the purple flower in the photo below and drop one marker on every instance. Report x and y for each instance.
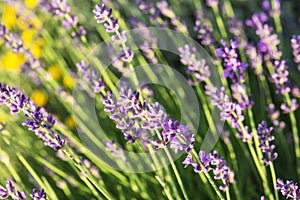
(256, 59)
(149, 123)
(280, 77)
(116, 151)
(104, 15)
(273, 115)
(295, 43)
(230, 111)
(197, 68)
(37, 118)
(38, 195)
(234, 68)
(212, 162)
(204, 31)
(268, 44)
(265, 138)
(288, 189)
(212, 3)
(10, 191)
(88, 79)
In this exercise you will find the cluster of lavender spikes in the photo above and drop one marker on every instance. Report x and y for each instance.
(10, 191)
(38, 120)
(288, 189)
(211, 161)
(88, 79)
(59, 9)
(141, 120)
(103, 15)
(265, 137)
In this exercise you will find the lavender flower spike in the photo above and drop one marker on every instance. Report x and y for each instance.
(103, 15)
(38, 195)
(9, 191)
(212, 162)
(295, 41)
(288, 189)
(38, 120)
(265, 138)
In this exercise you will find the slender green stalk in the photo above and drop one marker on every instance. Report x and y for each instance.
(220, 22)
(295, 134)
(274, 179)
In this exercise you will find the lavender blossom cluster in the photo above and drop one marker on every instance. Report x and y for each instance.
(147, 122)
(104, 15)
(289, 189)
(212, 162)
(265, 137)
(38, 120)
(59, 9)
(10, 191)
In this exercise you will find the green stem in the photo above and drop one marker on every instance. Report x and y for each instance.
(273, 175)
(220, 22)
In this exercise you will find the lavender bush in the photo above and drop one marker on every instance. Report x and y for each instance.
(95, 104)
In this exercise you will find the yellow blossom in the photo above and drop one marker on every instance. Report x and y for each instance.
(68, 81)
(12, 61)
(31, 3)
(9, 17)
(39, 97)
(70, 122)
(27, 36)
(55, 71)
(36, 50)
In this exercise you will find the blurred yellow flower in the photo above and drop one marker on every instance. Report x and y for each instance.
(31, 3)
(12, 61)
(68, 81)
(55, 72)
(36, 50)
(2, 119)
(9, 16)
(39, 97)
(70, 122)
(27, 36)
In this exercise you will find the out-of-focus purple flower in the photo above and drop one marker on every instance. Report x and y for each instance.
(212, 3)
(116, 151)
(295, 42)
(273, 115)
(88, 79)
(265, 138)
(212, 162)
(289, 189)
(280, 77)
(204, 31)
(167, 11)
(290, 108)
(236, 28)
(256, 59)
(268, 44)
(38, 118)
(38, 195)
(197, 68)
(59, 9)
